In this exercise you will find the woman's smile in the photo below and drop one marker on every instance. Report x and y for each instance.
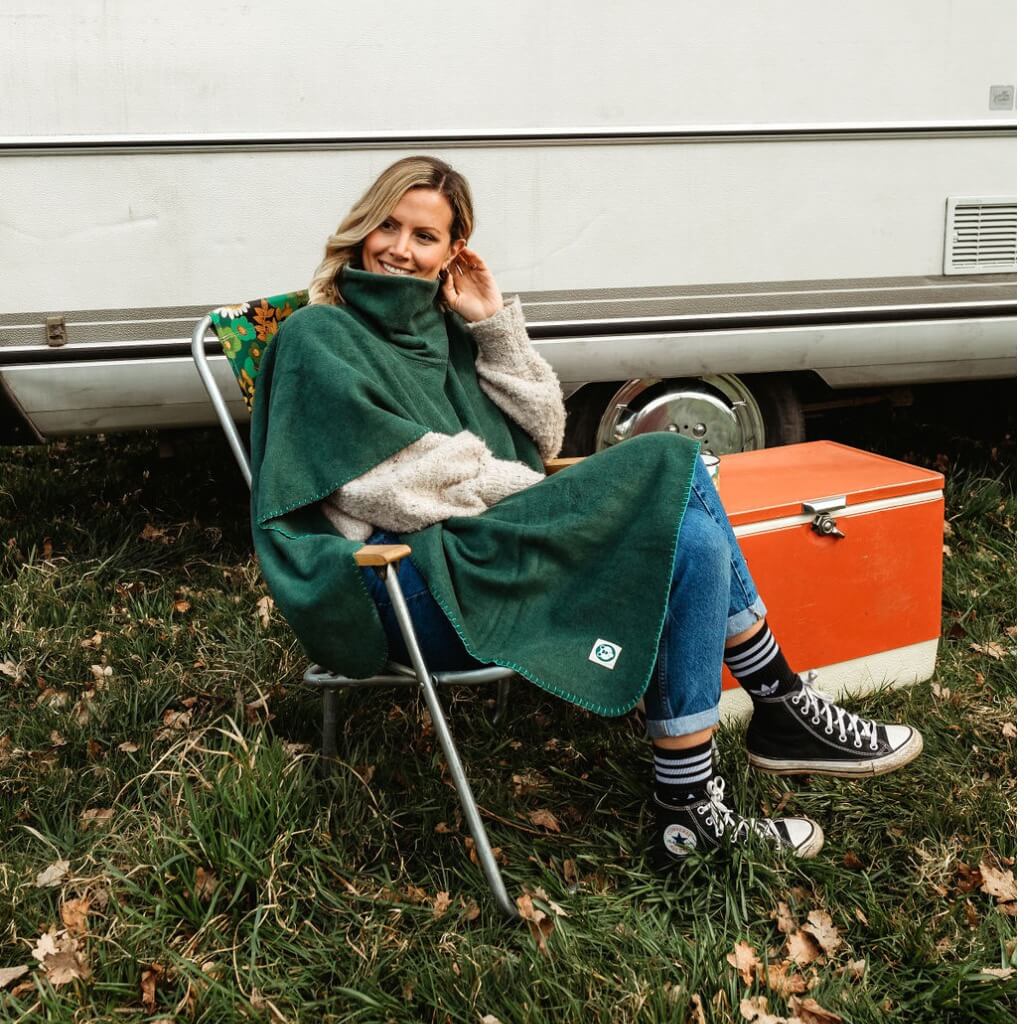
(415, 239)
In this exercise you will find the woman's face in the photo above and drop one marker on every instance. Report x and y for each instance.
(415, 241)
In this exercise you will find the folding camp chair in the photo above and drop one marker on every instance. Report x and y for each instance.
(244, 332)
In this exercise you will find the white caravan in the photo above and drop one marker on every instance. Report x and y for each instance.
(707, 208)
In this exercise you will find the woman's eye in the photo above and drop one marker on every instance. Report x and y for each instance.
(386, 226)
(427, 238)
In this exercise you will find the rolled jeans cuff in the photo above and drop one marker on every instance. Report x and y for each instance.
(743, 620)
(684, 726)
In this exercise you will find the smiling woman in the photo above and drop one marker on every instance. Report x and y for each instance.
(408, 412)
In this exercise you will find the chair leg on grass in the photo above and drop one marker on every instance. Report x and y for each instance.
(501, 703)
(451, 754)
(329, 745)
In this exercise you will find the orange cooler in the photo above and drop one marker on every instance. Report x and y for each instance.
(846, 550)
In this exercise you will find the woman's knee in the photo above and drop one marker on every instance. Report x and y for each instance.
(703, 546)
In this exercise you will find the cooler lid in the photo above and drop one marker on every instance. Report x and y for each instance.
(775, 482)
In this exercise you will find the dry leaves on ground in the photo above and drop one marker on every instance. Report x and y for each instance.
(544, 819)
(75, 914)
(541, 926)
(997, 882)
(802, 948)
(745, 959)
(264, 606)
(156, 534)
(53, 875)
(819, 924)
(61, 960)
(94, 817)
(442, 901)
(808, 1011)
(9, 974)
(991, 649)
(695, 1011)
(999, 973)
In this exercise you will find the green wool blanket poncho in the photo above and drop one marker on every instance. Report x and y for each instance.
(566, 582)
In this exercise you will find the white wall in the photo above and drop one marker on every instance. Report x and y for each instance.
(138, 66)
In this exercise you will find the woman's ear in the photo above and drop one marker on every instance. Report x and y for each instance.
(457, 246)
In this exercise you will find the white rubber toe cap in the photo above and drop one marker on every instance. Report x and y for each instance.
(898, 735)
(806, 836)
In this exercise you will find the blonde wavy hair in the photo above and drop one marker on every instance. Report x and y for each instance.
(345, 246)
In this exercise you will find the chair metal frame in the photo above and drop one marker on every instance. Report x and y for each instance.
(330, 683)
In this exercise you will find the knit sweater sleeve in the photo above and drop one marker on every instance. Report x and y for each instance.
(432, 479)
(516, 377)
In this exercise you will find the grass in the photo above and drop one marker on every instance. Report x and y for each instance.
(229, 882)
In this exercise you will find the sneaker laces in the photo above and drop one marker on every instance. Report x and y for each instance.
(823, 706)
(722, 818)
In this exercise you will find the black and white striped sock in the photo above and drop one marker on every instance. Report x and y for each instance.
(681, 776)
(760, 667)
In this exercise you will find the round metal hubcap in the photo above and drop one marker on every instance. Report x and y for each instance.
(718, 411)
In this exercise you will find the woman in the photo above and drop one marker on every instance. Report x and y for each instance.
(385, 415)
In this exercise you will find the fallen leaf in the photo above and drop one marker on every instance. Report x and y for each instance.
(101, 675)
(177, 720)
(756, 1010)
(1009, 730)
(94, 642)
(971, 914)
(695, 1014)
(860, 915)
(819, 924)
(74, 914)
(471, 913)
(181, 606)
(9, 669)
(745, 959)
(58, 953)
(784, 919)
(442, 901)
(53, 875)
(9, 974)
(569, 872)
(802, 948)
(205, 883)
(991, 649)
(128, 747)
(56, 740)
(541, 926)
(852, 861)
(999, 972)
(545, 819)
(96, 816)
(808, 1011)
(147, 984)
(854, 970)
(784, 981)
(1007, 909)
(156, 534)
(489, 1018)
(264, 606)
(942, 692)
(997, 882)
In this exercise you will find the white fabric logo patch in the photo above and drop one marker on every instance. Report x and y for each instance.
(678, 838)
(605, 653)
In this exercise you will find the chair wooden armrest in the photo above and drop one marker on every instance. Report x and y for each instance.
(554, 465)
(381, 554)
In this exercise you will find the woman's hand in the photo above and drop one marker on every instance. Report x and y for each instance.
(470, 288)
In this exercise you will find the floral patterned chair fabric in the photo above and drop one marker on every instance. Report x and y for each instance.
(245, 331)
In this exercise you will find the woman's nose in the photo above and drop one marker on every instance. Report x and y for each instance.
(400, 246)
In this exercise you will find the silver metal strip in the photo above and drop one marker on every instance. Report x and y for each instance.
(851, 511)
(455, 138)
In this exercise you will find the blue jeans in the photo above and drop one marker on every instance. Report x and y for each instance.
(712, 597)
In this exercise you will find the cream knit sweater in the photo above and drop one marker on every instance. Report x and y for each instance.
(439, 475)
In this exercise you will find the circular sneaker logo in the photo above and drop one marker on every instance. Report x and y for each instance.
(678, 839)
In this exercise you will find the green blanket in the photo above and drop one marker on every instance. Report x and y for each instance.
(566, 582)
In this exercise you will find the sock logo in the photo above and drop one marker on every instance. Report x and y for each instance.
(765, 690)
(605, 653)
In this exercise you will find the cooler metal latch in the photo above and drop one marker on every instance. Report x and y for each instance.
(822, 509)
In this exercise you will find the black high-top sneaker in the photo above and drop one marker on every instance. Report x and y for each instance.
(807, 733)
(710, 824)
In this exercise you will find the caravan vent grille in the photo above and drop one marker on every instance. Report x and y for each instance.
(981, 236)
